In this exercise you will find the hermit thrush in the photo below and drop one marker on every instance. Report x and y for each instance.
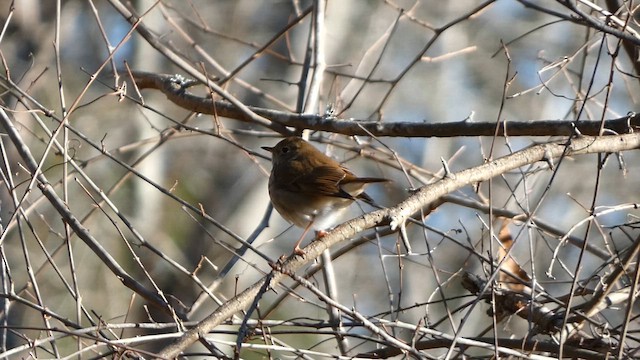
(308, 188)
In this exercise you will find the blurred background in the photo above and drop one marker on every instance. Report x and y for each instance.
(389, 61)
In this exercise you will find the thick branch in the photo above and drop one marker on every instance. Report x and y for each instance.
(175, 88)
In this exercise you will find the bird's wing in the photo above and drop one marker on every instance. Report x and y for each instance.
(322, 180)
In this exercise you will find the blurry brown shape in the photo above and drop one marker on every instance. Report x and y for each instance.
(512, 276)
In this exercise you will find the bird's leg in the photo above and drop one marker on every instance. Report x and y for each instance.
(297, 250)
(319, 234)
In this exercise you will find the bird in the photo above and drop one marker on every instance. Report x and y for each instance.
(309, 189)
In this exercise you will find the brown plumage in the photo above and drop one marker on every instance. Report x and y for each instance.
(310, 189)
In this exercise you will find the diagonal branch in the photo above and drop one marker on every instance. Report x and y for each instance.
(397, 214)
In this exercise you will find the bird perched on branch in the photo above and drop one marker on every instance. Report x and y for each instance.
(310, 189)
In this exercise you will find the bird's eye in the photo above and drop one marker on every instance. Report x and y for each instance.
(285, 150)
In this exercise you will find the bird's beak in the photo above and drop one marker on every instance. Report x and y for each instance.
(269, 149)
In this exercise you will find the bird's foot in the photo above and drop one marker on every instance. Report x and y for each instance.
(298, 250)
